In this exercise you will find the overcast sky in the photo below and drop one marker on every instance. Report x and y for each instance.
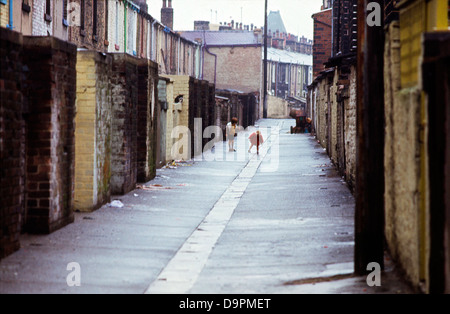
(296, 14)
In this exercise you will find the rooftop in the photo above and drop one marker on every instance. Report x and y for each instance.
(223, 38)
(285, 56)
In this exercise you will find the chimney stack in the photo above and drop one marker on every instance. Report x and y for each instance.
(167, 14)
(142, 4)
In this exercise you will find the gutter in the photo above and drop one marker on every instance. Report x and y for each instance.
(238, 45)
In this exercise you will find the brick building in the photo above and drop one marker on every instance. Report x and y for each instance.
(344, 27)
(322, 46)
(87, 24)
(226, 55)
(36, 17)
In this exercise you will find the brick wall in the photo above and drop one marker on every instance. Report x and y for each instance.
(322, 40)
(232, 108)
(51, 93)
(277, 108)
(350, 130)
(333, 119)
(197, 103)
(41, 26)
(322, 108)
(344, 26)
(230, 62)
(12, 140)
(4, 14)
(91, 36)
(147, 120)
(124, 81)
(93, 131)
(162, 122)
(172, 117)
(223, 113)
(403, 169)
(115, 26)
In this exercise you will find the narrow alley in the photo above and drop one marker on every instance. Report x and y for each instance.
(223, 226)
(130, 157)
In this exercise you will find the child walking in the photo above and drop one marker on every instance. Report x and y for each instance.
(256, 139)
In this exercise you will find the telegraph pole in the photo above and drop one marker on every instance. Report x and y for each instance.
(265, 63)
(369, 198)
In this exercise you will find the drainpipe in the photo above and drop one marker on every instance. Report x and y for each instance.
(202, 60)
(178, 57)
(10, 25)
(215, 58)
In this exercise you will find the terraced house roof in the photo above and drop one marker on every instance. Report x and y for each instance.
(224, 38)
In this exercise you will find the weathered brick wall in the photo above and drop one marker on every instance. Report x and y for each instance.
(172, 117)
(211, 104)
(403, 170)
(124, 81)
(12, 140)
(51, 93)
(223, 113)
(181, 87)
(162, 122)
(147, 120)
(333, 122)
(322, 112)
(87, 37)
(350, 130)
(250, 108)
(233, 108)
(93, 131)
(277, 108)
(197, 103)
(194, 112)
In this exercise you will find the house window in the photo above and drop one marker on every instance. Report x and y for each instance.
(26, 6)
(48, 11)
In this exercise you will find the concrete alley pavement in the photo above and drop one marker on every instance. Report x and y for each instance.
(280, 222)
